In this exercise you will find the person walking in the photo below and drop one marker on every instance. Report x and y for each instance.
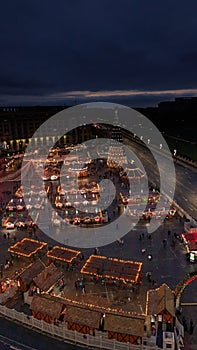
(191, 327)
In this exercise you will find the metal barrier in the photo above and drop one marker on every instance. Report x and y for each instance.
(97, 341)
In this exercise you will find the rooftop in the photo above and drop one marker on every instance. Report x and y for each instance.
(112, 268)
(63, 254)
(27, 247)
(48, 277)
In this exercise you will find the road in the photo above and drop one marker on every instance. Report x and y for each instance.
(14, 336)
(186, 179)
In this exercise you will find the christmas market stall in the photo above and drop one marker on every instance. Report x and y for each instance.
(124, 328)
(82, 320)
(28, 249)
(45, 307)
(111, 269)
(47, 279)
(190, 242)
(27, 276)
(8, 291)
(63, 256)
(161, 306)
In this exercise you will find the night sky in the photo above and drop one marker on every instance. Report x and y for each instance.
(137, 52)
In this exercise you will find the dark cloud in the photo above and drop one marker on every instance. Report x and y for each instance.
(52, 47)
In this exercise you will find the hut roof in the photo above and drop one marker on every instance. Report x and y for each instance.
(124, 324)
(82, 316)
(112, 268)
(192, 246)
(48, 277)
(160, 299)
(46, 305)
(27, 247)
(8, 294)
(32, 271)
(63, 254)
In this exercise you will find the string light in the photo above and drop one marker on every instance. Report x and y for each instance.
(54, 253)
(21, 246)
(126, 262)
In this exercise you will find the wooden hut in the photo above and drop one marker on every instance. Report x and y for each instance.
(28, 248)
(82, 320)
(46, 280)
(27, 276)
(63, 255)
(10, 295)
(113, 269)
(45, 307)
(161, 302)
(128, 329)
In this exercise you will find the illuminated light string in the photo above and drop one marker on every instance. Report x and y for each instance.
(96, 307)
(155, 290)
(139, 264)
(19, 245)
(51, 254)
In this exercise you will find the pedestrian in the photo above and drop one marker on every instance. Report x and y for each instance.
(121, 241)
(191, 327)
(96, 251)
(148, 276)
(62, 283)
(8, 235)
(169, 233)
(4, 236)
(81, 257)
(140, 237)
(185, 324)
(175, 235)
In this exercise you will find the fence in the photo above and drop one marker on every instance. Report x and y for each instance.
(98, 341)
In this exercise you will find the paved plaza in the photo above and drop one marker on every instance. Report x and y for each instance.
(168, 265)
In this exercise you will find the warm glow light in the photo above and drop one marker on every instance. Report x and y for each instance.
(16, 248)
(128, 262)
(54, 253)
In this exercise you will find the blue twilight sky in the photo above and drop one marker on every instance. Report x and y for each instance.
(134, 51)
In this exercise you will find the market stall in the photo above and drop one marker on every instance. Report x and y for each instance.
(190, 242)
(27, 276)
(161, 305)
(125, 328)
(63, 255)
(8, 291)
(28, 248)
(112, 269)
(82, 320)
(46, 308)
(47, 279)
